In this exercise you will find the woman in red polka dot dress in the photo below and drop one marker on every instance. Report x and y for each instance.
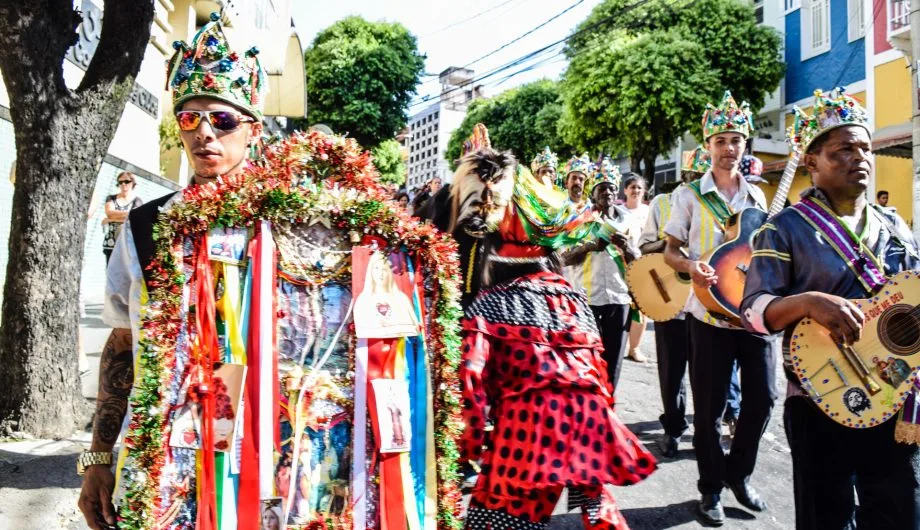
(532, 366)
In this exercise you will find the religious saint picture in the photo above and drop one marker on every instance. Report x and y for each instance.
(381, 309)
(271, 514)
(228, 388)
(228, 244)
(393, 414)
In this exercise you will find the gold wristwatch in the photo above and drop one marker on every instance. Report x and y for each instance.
(90, 458)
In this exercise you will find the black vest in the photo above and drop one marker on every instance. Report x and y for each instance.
(142, 220)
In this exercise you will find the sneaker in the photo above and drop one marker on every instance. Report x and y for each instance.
(710, 509)
(667, 444)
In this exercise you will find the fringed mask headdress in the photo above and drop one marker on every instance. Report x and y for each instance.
(482, 185)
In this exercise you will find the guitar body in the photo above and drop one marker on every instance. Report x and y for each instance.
(731, 261)
(865, 384)
(659, 291)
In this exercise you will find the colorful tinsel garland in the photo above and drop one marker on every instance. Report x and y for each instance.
(309, 175)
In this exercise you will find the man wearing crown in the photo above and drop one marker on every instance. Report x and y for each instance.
(217, 97)
(544, 165)
(809, 261)
(577, 171)
(700, 211)
(532, 360)
(597, 268)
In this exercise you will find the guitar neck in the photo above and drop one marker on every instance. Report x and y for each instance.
(785, 183)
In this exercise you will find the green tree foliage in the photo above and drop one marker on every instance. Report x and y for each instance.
(360, 78)
(388, 160)
(523, 120)
(637, 81)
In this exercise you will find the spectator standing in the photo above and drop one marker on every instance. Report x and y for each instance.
(117, 207)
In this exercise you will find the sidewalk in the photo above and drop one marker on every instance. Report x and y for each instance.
(39, 486)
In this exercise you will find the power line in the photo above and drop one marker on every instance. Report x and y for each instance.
(464, 21)
(530, 55)
(529, 32)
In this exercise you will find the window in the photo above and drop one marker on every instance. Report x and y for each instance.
(898, 16)
(792, 5)
(758, 11)
(816, 28)
(856, 19)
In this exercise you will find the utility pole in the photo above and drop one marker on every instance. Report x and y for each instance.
(915, 106)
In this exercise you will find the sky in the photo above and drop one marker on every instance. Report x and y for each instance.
(458, 32)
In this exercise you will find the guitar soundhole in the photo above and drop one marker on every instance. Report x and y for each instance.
(899, 329)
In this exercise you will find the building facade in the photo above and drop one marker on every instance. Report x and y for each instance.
(429, 131)
(136, 146)
(859, 44)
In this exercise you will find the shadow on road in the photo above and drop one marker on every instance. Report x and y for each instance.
(51, 471)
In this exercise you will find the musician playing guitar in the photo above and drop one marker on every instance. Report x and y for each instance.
(671, 336)
(697, 219)
(597, 267)
(800, 270)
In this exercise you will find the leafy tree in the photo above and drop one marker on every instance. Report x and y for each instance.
(388, 160)
(360, 78)
(623, 44)
(524, 120)
(61, 138)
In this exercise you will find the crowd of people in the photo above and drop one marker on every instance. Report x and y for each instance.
(549, 315)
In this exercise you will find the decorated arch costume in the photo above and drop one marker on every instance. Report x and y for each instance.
(254, 395)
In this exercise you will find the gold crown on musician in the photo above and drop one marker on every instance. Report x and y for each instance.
(545, 158)
(727, 117)
(606, 173)
(836, 109)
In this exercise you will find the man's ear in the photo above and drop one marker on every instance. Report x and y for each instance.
(810, 162)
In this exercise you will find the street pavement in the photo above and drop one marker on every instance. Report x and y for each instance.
(39, 486)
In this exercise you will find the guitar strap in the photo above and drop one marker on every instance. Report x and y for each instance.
(860, 260)
(714, 203)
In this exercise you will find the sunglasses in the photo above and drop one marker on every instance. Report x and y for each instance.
(123, 182)
(221, 120)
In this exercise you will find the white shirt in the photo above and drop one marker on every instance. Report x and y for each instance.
(637, 219)
(687, 224)
(598, 277)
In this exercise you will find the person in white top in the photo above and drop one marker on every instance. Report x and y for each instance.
(697, 217)
(635, 189)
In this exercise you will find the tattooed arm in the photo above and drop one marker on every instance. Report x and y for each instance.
(116, 377)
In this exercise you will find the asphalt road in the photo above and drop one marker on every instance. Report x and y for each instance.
(39, 488)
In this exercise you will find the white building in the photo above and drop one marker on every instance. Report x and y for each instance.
(136, 144)
(430, 129)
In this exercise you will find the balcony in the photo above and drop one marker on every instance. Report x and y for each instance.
(898, 17)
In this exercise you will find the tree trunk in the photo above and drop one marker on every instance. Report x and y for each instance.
(61, 139)
(649, 170)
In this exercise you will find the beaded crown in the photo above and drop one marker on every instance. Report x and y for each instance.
(727, 117)
(208, 67)
(834, 110)
(606, 173)
(543, 159)
(579, 163)
(697, 160)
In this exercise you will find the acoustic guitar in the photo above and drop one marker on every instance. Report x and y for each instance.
(659, 291)
(732, 258)
(863, 384)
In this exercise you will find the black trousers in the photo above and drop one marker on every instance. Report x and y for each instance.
(672, 347)
(613, 324)
(713, 352)
(831, 464)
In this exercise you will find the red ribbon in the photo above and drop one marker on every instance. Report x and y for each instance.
(248, 499)
(207, 353)
(381, 355)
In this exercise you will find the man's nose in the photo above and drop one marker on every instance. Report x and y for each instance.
(205, 131)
